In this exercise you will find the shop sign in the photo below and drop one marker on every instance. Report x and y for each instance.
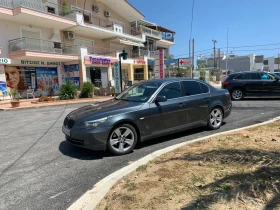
(159, 64)
(100, 61)
(27, 62)
(142, 62)
(116, 69)
(5, 61)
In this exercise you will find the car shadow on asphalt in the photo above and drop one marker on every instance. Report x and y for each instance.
(80, 153)
(261, 99)
(175, 136)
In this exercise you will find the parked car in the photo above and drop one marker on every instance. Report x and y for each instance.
(252, 83)
(147, 110)
(276, 73)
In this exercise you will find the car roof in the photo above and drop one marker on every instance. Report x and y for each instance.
(171, 80)
(244, 72)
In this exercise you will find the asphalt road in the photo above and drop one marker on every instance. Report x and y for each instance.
(40, 170)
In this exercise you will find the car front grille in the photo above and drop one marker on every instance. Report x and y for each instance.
(69, 123)
(75, 141)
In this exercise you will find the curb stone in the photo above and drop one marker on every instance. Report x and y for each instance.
(93, 197)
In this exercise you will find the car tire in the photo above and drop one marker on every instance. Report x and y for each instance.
(237, 94)
(215, 118)
(122, 139)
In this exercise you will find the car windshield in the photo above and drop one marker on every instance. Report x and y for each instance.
(140, 92)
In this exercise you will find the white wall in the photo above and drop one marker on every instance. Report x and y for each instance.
(12, 30)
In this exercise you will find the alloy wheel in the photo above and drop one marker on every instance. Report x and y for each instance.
(216, 118)
(122, 139)
(237, 94)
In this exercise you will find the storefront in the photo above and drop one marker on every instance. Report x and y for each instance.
(98, 70)
(134, 71)
(43, 76)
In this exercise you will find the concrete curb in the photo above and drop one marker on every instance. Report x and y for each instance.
(58, 104)
(93, 197)
(38, 107)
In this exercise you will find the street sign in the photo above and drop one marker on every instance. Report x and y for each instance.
(116, 69)
(184, 62)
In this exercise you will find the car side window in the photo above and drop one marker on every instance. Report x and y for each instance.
(204, 88)
(191, 88)
(239, 76)
(247, 76)
(255, 76)
(265, 76)
(171, 91)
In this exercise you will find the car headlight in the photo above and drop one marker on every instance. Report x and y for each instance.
(92, 124)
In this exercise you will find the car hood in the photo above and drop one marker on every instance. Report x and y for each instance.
(104, 109)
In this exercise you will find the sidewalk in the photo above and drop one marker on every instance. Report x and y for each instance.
(33, 103)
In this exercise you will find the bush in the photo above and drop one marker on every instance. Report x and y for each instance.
(67, 91)
(87, 90)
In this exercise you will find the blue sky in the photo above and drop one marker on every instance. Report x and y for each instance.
(259, 24)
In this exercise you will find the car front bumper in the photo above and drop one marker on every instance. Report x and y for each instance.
(94, 139)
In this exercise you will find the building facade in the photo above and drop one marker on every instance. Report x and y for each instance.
(241, 63)
(46, 43)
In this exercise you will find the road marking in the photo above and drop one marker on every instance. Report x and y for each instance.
(58, 194)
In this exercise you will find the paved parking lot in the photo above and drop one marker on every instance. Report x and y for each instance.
(39, 170)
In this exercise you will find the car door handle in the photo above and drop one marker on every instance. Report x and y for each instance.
(207, 99)
(181, 105)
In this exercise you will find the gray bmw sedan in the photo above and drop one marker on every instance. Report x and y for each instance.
(147, 110)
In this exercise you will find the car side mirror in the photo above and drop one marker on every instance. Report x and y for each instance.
(277, 78)
(160, 99)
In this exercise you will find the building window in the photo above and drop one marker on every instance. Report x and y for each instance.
(265, 62)
(276, 60)
(51, 10)
(138, 74)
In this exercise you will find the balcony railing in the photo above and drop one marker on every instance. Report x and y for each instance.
(6, 3)
(101, 51)
(142, 53)
(149, 31)
(41, 46)
(41, 6)
(167, 36)
(112, 25)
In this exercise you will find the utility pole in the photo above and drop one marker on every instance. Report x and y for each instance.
(189, 48)
(192, 57)
(219, 59)
(278, 61)
(214, 41)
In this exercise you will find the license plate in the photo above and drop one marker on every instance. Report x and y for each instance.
(66, 131)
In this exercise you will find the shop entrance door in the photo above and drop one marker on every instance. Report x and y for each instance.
(95, 76)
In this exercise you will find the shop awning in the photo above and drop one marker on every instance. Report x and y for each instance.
(129, 42)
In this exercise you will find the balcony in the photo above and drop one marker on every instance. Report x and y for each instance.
(106, 29)
(38, 12)
(46, 7)
(143, 53)
(150, 32)
(6, 3)
(29, 47)
(99, 51)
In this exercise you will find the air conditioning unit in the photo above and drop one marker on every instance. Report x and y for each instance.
(107, 14)
(70, 35)
(95, 8)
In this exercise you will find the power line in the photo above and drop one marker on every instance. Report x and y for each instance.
(192, 20)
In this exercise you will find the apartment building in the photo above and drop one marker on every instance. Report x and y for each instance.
(49, 42)
(157, 38)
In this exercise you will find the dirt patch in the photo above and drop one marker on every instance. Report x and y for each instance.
(236, 171)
